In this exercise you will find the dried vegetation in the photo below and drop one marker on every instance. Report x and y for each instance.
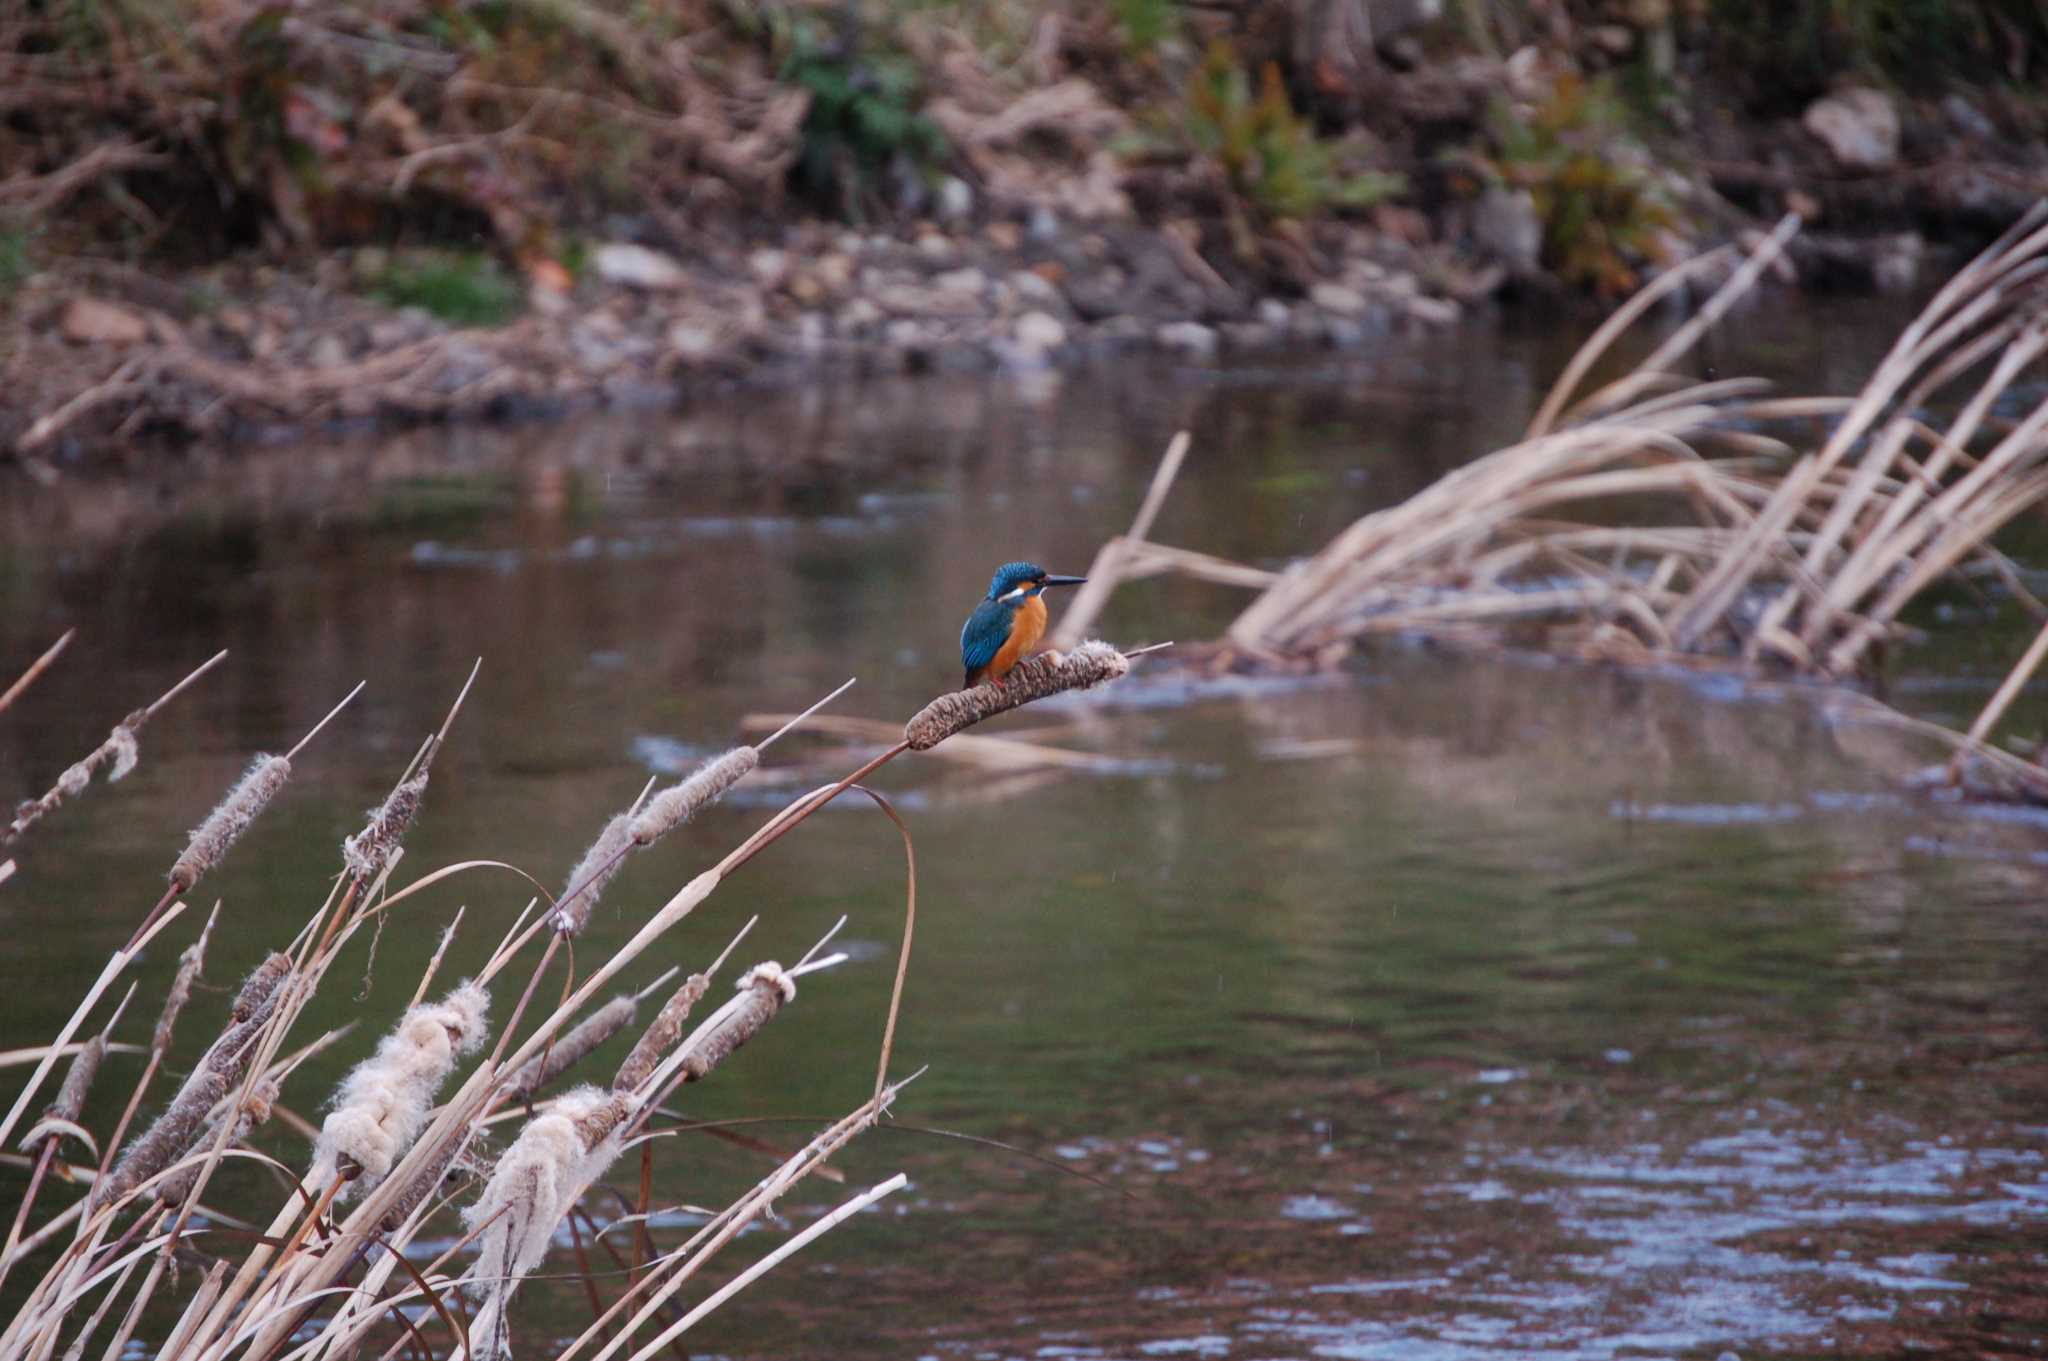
(328, 1265)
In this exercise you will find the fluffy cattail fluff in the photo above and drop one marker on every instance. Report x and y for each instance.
(662, 1035)
(677, 804)
(592, 1031)
(174, 1189)
(537, 1182)
(119, 748)
(369, 851)
(225, 824)
(382, 1105)
(179, 1128)
(592, 873)
(1048, 673)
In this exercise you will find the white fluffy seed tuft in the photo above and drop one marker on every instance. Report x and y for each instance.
(536, 1183)
(383, 1104)
(773, 975)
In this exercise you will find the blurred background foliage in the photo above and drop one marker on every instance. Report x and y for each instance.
(170, 131)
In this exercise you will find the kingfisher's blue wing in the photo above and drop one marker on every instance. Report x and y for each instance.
(987, 629)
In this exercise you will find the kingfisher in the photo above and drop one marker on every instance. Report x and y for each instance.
(1008, 622)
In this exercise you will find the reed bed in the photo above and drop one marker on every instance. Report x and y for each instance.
(328, 1265)
(1659, 517)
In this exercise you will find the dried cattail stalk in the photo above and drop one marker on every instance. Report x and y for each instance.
(369, 851)
(1092, 663)
(764, 990)
(662, 1035)
(178, 1129)
(118, 752)
(174, 1189)
(677, 804)
(189, 965)
(225, 824)
(592, 873)
(70, 1102)
(607, 1021)
(382, 1105)
(536, 1183)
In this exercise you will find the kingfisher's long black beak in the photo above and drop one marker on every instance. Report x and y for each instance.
(1063, 581)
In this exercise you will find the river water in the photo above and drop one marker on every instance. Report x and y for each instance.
(1458, 1006)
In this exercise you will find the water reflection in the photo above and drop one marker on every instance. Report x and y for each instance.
(1472, 1005)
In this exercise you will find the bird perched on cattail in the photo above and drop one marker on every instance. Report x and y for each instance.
(1008, 622)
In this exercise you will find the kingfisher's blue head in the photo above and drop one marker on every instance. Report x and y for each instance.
(1018, 581)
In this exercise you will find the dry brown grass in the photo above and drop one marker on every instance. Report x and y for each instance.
(325, 1261)
(1660, 517)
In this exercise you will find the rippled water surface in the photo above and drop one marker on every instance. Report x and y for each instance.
(1461, 1006)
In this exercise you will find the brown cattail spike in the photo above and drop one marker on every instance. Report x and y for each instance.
(261, 985)
(662, 1035)
(225, 824)
(190, 963)
(1048, 673)
(764, 990)
(183, 1122)
(607, 1021)
(592, 873)
(61, 1115)
(370, 850)
(677, 804)
(174, 1189)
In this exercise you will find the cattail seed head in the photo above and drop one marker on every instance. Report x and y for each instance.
(70, 1102)
(370, 850)
(1090, 664)
(677, 804)
(174, 1189)
(607, 1021)
(662, 1035)
(535, 1184)
(75, 778)
(122, 746)
(382, 1105)
(190, 962)
(226, 823)
(763, 991)
(178, 1129)
(261, 985)
(592, 873)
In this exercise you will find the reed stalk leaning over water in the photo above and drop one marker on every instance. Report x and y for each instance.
(1723, 538)
(313, 1282)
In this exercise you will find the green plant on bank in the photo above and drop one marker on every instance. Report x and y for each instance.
(1146, 23)
(17, 256)
(464, 288)
(865, 122)
(1270, 154)
(1790, 51)
(1603, 214)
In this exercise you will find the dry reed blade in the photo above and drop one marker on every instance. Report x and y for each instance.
(118, 752)
(35, 669)
(1107, 570)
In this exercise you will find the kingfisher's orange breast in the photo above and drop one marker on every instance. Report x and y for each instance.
(1026, 628)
